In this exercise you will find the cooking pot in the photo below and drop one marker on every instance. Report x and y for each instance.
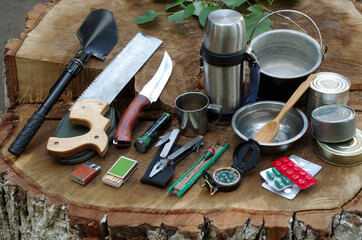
(286, 59)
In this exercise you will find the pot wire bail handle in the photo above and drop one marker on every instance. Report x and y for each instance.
(300, 13)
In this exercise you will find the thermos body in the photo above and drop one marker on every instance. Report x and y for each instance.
(224, 51)
(222, 88)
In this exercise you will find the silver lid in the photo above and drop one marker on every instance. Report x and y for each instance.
(330, 83)
(333, 114)
(347, 153)
(333, 123)
(224, 32)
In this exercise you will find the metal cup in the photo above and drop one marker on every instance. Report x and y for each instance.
(192, 113)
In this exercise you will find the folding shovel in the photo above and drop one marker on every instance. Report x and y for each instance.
(97, 35)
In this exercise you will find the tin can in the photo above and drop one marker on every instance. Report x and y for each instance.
(333, 123)
(348, 153)
(327, 88)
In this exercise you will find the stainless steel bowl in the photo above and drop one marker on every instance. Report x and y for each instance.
(247, 121)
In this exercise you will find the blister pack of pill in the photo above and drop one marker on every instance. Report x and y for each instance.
(278, 183)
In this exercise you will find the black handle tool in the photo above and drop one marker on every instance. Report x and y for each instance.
(97, 35)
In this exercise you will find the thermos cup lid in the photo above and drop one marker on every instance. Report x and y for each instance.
(224, 32)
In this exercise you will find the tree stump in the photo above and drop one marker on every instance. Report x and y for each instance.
(39, 201)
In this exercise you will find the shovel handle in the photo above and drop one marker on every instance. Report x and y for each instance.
(27, 134)
(38, 118)
(122, 137)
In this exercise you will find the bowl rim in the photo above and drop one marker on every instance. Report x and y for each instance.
(277, 144)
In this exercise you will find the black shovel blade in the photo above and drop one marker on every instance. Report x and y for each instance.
(98, 33)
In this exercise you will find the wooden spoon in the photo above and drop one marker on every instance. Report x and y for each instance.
(270, 130)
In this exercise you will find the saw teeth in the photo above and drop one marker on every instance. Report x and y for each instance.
(107, 85)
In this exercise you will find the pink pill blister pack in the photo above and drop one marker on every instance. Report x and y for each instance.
(286, 183)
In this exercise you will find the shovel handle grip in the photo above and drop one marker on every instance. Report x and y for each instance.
(27, 134)
(122, 137)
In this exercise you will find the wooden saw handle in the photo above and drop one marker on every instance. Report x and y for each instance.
(89, 113)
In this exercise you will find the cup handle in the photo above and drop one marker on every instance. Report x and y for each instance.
(216, 108)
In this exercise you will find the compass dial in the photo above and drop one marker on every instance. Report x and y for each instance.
(226, 176)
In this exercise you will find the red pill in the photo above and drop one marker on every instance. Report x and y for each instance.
(295, 176)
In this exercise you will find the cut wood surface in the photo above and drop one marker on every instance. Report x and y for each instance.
(135, 204)
(40, 184)
(336, 185)
(32, 72)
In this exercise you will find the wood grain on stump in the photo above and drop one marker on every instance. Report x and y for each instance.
(38, 200)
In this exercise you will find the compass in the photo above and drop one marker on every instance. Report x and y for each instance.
(226, 179)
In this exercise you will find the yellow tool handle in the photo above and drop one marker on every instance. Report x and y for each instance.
(89, 113)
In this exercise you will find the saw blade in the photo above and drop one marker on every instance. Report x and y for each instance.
(122, 68)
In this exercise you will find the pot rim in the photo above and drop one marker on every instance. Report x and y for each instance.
(300, 34)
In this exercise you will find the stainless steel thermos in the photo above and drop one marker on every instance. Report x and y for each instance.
(224, 51)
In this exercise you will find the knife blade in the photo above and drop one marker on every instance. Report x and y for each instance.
(149, 93)
(92, 105)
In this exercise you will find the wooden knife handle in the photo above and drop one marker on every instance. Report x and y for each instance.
(89, 113)
(122, 137)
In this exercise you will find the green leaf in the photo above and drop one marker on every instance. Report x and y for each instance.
(198, 7)
(205, 12)
(178, 2)
(233, 3)
(181, 15)
(256, 8)
(149, 16)
(250, 22)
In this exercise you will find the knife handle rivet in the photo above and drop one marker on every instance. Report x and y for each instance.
(56, 143)
(96, 137)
